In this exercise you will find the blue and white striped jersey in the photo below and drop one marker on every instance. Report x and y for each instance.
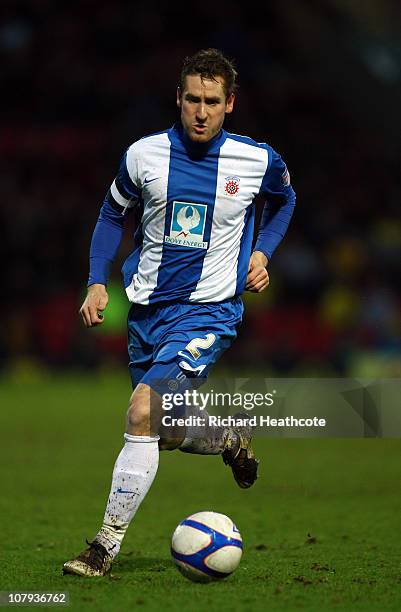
(197, 215)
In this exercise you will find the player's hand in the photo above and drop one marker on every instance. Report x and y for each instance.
(95, 301)
(258, 277)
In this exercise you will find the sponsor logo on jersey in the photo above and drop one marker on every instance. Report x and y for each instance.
(188, 225)
(232, 185)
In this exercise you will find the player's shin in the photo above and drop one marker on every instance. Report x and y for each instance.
(133, 474)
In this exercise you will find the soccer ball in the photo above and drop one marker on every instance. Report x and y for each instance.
(206, 546)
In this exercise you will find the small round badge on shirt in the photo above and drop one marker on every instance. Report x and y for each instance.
(232, 185)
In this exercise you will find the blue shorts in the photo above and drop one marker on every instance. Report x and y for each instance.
(168, 344)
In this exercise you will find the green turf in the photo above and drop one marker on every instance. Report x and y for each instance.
(321, 527)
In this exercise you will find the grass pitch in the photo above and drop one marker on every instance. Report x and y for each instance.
(321, 527)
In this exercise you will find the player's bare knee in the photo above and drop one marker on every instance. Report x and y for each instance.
(138, 415)
(144, 412)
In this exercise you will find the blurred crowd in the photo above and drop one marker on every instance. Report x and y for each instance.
(81, 82)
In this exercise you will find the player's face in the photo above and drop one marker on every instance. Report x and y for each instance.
(203, 105)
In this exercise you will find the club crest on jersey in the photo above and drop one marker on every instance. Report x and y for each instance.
(188, 225)
(232, 185)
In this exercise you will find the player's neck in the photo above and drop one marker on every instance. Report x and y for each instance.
(199, 148)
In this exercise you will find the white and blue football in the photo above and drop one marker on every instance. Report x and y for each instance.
(206, 546)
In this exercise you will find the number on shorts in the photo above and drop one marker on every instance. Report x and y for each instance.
(200, 343)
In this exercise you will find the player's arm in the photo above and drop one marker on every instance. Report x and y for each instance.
(105, 242)
(276, 216)
(120, 200)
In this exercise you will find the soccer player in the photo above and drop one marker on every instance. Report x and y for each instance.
(194, 186)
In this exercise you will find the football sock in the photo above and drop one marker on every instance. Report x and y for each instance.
(133, 474)
(204, 438)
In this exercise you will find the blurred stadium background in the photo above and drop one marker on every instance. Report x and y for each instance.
(320, 80)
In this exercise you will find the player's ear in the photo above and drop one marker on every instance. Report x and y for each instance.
(230, 103)
(179, 97)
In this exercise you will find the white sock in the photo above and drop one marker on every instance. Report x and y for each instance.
(203, 439)
(133, 474)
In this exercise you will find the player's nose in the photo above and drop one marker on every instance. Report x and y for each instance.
(201, 112)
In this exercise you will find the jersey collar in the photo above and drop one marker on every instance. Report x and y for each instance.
(178, 136)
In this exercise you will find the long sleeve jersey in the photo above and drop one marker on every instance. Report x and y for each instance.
(197, 208)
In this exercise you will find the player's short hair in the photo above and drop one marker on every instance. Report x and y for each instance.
(209, 64)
